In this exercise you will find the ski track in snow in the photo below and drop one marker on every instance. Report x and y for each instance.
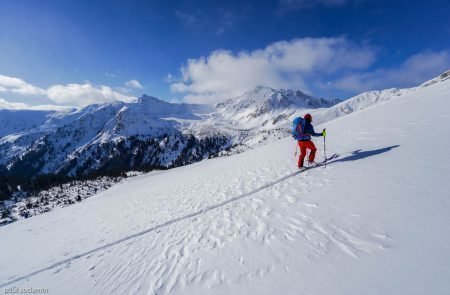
(166, 263)
(189, 234)
(158, 227)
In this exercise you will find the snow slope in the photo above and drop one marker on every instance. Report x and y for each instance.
(14, 121)
(374, 221)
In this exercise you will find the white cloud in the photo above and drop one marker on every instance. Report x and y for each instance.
(134, 84)
(18, 86)
(413, 71)
(84, 94)
(4, 104)
(68, 94)
(284, 64)
(179, 87)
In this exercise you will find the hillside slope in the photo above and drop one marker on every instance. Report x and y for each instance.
(374, 221)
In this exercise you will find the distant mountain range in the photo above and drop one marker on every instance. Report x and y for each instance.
(146, 134)
(112, 138)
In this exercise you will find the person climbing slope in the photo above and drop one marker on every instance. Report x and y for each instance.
(302, 132)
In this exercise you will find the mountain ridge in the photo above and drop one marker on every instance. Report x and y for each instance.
(153, 134)
(56, 145)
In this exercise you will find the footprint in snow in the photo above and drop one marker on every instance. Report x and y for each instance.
(241, 260)
(291, 199)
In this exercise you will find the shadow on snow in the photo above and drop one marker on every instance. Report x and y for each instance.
(356, 155)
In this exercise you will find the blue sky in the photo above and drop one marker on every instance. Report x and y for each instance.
(80, 52)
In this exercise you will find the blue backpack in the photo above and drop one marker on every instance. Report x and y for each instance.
(298, 125)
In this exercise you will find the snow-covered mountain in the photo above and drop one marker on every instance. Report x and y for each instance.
(146, 134)
(374, 221)
(153, 134)
(371, 98)
(265, 106)
(83, 139)
(16, 121)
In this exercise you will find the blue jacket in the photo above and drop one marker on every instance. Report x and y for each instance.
(309, 130)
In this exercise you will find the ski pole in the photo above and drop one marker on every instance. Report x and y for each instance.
(324, 146)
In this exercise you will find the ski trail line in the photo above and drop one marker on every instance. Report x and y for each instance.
(151, 229)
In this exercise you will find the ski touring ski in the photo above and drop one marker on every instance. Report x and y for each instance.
(333, 156)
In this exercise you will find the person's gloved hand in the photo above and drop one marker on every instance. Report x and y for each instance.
(324, 132)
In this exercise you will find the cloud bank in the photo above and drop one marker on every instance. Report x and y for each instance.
(315, 65)
(84, 94)
(285, 64)
(65, 94)
(4, 104)
(18, 86)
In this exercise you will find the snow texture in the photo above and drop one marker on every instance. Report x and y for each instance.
(374, 221)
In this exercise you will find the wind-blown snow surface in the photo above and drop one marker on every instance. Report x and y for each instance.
(374, 221)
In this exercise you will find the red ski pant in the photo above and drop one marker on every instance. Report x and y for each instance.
(304, 145)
